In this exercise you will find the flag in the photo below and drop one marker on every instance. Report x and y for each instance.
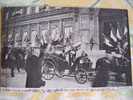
(112, 36)
(118, 34)
(125, 30)
(107, 42)
(125, 45)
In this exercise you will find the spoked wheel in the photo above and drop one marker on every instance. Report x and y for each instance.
(81, 76)
(48, 70)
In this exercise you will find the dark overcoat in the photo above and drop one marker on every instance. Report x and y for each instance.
(33, 69)
(102, 72)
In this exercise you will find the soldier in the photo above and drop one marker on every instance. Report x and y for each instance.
(33, 69)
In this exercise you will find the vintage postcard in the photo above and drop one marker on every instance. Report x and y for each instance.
(65, 47)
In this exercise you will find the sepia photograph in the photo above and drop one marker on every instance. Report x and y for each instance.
(65, 48)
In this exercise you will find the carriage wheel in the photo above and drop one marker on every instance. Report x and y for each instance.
(47, 70)
(81, 76)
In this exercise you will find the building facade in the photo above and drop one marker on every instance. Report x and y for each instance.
(31, 26)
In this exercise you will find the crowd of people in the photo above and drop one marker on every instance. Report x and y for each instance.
(28, 60)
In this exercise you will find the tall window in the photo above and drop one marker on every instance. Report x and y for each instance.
(84, 30)
(67, 30)
(17, 39)
(55, 34)
(34, 38)
(67, 34)
(44, 36)
(44, 33)
(55, 31)
(25, 39)
(17, 36)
